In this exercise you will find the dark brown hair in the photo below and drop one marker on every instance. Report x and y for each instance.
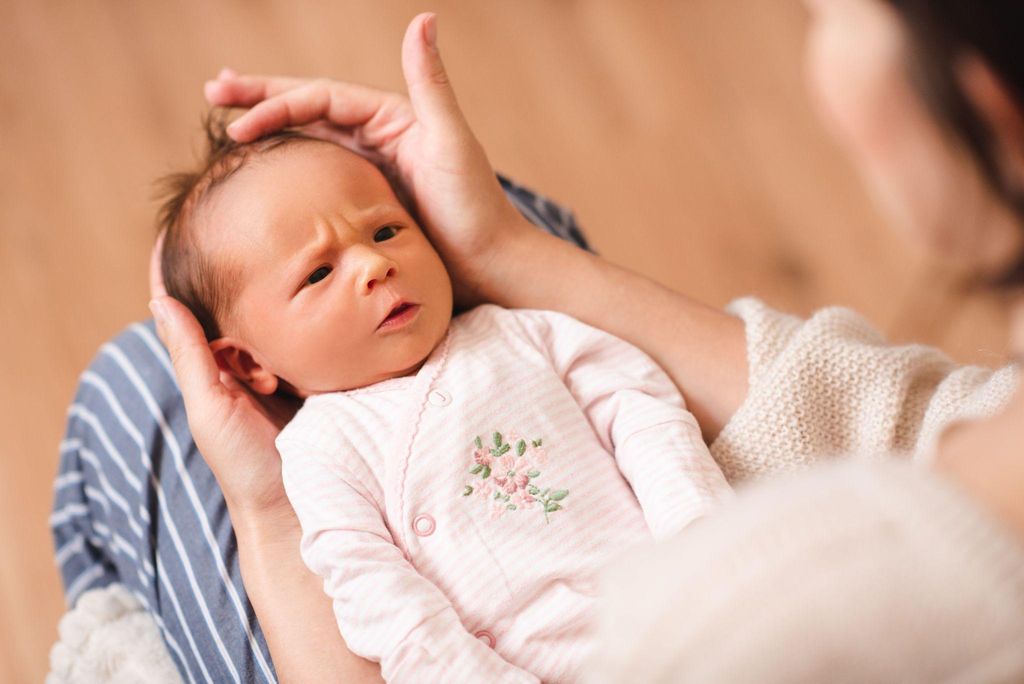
(190, 275)
(941, 34)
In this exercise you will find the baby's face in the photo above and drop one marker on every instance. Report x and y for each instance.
(339, 287)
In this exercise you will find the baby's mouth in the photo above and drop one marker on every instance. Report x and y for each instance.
(402, 312)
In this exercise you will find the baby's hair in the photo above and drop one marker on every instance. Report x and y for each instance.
(189, 273)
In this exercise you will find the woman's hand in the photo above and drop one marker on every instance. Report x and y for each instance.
(233, 430)
(492, 252)
(423, 142)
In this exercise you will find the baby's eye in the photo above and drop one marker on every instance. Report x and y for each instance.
(385, 233)
(318, 275)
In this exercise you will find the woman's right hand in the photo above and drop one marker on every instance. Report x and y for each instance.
(492, 252)
(423, 142)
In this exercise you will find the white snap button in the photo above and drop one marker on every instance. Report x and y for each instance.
(423, 525)
(439, 398)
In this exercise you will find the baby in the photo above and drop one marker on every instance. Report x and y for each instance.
(459, 481)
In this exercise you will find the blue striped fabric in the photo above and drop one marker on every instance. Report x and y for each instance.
(135, 503)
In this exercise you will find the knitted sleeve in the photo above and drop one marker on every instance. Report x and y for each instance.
(851, 572)
(833, 385)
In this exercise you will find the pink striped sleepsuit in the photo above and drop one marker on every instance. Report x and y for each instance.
(459, 516)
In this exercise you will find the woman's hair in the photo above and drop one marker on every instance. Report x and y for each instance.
(941, 33)
(189, 272)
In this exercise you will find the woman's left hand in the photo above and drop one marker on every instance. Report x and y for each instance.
(233, 429)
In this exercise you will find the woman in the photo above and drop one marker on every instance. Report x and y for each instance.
(926, 98)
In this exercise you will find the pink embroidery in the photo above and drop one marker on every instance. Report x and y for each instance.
(514, 464)
(482, 457)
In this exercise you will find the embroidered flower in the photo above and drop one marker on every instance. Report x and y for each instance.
(482, 457)
(523, 500)
(507, 473)
(485, 490)
(512, 473)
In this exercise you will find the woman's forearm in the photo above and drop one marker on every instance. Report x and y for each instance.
(296, 616)
(702, 348)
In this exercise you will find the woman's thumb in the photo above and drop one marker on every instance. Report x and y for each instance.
(430, 91)
(194, 365)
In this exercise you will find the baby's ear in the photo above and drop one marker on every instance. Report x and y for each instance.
(232, 357)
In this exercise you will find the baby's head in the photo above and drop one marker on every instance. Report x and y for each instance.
(305, 271)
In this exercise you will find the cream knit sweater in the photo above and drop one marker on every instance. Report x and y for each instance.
(869, 569)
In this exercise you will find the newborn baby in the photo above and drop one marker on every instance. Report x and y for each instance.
(459, 481)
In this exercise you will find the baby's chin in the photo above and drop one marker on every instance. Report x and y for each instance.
(346, 385)
(404, 359)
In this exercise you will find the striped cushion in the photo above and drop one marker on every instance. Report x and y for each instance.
(135, 503)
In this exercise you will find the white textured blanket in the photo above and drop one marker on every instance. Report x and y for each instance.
(109, 637)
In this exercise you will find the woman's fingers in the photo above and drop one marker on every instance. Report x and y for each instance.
(231, 90)
(194, 365)
(430, 91)
(342, 104)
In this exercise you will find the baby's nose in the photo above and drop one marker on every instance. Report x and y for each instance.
(372, 282)
(376, 269)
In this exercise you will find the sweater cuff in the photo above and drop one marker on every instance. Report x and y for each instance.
(768, 333)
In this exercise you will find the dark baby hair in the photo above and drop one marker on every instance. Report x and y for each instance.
(189, 274)
(941, 34)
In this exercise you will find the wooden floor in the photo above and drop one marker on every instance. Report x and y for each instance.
(680, 131)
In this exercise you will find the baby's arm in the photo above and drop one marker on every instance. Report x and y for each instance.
(386, 610)
(639, 415)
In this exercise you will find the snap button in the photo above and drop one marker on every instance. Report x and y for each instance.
(486, 637)
(439, 398)
(423, 525)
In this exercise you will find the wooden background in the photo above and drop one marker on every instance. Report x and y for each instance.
(680, 132)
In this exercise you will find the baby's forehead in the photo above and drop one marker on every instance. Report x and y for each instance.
(258, 195)
(300, 167)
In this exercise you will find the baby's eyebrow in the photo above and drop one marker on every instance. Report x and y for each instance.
(296, 266)
(379, 212)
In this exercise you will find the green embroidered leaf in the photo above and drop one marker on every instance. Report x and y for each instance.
(533, 473)
(536, 443)
(511, 507)
(540, 442)
(559, 494)
(497, 495)
(479, 443)
(467, 491)
(497, 439)
(505, 448)
(476, 469)
(551, 507)
(532, 489)
(486, 473)
(520, 448)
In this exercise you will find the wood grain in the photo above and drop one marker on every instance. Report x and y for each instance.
(679, 131)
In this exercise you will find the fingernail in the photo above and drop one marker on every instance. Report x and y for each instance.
(430, 30)
(158, 310)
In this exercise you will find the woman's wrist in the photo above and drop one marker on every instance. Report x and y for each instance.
(518, 274)
(264, 525)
